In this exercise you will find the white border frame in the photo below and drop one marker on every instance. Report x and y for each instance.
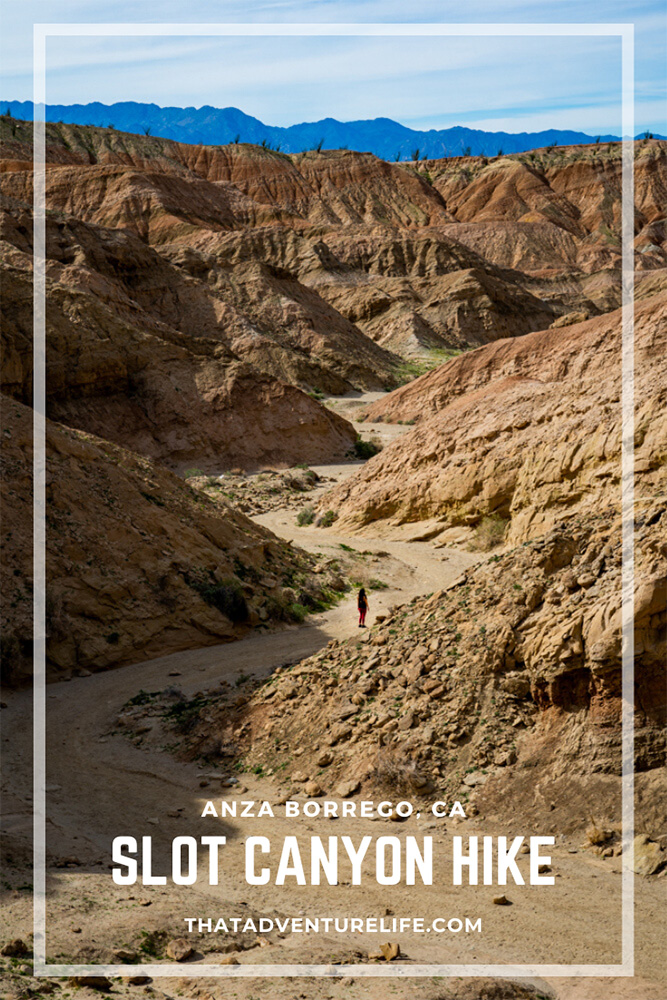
(40, 33)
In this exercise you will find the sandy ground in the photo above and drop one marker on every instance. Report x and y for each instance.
(100, 785)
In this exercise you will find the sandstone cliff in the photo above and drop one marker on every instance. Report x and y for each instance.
(525, 430)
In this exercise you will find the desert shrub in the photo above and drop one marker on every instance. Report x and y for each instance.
(328, 519)
(376, 584)
(184, 714)
(306, 516)
(489, 533)
(395, 773)
(143, 698)
(285, 610)
(246, 572)
(153, 943)
(226, 595)
(366, 449)
(191, 473)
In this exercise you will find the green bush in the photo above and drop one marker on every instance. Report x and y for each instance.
(184, 714)
(306, 516)
(366, 449)
(328, 519)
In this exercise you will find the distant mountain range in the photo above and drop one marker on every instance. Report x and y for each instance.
(218, 126)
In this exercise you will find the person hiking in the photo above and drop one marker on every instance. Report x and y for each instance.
(362, 605)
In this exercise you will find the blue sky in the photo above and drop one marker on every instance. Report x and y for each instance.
(512, 84)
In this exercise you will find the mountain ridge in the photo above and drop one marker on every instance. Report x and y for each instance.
(383, 136)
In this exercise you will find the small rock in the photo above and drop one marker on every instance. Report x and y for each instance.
(396, 817)
(390, 951)
(501, 900)
(646, 857)
(136, 980)
(476, 778)
(180, 950)
(92, 982)
(347, 788)
(324, 759)
(517, 684)
(299, 776)
(406, 722)
(16, 949)
(229, 960)
(312, 789)
(413, 671)
(124, 955)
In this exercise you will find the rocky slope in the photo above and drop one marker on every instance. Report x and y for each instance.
(139, 564)
(135, 355)
(465, 693)
(322, 253)
(524, 430)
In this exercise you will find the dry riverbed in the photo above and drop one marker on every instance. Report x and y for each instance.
(105, 777)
